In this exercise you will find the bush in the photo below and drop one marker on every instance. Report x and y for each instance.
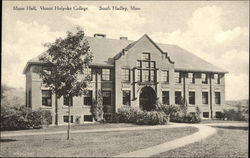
(178, 113)
(47, 117)
(35, 119)
(234, 115)
(78, 119)
(13, 118)
(17, 118)
(127, 114)
(151, 118)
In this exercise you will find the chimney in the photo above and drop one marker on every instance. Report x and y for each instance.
(99, 35)
(123, 38)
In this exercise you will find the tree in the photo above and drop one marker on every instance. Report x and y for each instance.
(65, 60)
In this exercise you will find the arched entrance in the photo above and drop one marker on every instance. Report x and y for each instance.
(147, 98)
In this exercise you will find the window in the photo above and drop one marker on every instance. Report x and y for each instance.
(66, 119)
(204, 78)
(138, 75)
(197, 75)
(88, 118)
(126, 97)
(165, 97)
(138, 63)
(145, 64)
(152, 75)
(217, 78)
(165, 76)
(206, 114)
(204, 97)
(146, 69)
(191, 77)
(106, 74)
(106, 97)
(66, 101)
(145, 56)
(87, 73)
(217, 97)
(152, 64)
(87, 99)
(145, 75)
(177, 77)
(46, 98)
(125, 74)
(218, 114)
(192, 98)
(178, 97)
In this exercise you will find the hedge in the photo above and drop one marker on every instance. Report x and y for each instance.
(17, 118)
(127, 114)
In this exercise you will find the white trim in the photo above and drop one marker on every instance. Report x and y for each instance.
(107, 89)
(204, 90)
(178, 90)
(126, 88)
(45, 88)
(191, 90)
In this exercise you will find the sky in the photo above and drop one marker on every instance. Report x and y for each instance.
(217, 31)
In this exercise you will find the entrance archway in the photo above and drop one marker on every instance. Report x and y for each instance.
(147, 98)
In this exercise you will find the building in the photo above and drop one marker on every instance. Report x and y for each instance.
(135, 73)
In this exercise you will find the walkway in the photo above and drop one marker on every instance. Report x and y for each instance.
(204, 132)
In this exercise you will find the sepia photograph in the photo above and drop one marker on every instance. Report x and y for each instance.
(124, 78)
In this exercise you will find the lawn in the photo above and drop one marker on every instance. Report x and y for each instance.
(206, 121)
(228, 142)
(75, 127)
(89, 144)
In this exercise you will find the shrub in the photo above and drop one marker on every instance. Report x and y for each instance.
(16, 118)
(47, 117)
(192, 117)
(35, 119)
(13, 118)
(78, 119)
(151, 118)
(178, 113)
(167, 109)
(234, 115)
(127, 114)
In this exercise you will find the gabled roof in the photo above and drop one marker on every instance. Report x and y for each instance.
(105, 50)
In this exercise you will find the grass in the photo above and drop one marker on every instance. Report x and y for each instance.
(89, 144)
(228, 142)
(205, 121)
(75, 127)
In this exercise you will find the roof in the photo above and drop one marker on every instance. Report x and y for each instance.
(104, 51)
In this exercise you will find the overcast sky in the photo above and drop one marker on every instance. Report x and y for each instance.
(215, 31)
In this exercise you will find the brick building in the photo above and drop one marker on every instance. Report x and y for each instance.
(135, 73)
